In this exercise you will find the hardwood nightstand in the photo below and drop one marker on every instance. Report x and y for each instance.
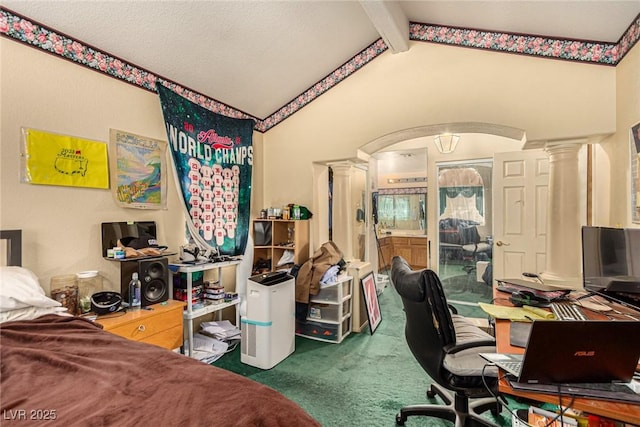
(162, 325)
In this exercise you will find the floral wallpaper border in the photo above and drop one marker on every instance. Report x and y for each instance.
(39, 36)
(572, 50)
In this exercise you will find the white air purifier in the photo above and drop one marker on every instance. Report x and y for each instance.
(268, 328)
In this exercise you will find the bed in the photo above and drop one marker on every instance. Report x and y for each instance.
(65, 370)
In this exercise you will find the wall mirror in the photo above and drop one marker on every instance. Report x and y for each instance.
(402, 211)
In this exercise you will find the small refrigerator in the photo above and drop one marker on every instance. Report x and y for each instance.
(268, 328)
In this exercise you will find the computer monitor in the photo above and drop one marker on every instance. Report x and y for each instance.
(611, 261)
(114, 231)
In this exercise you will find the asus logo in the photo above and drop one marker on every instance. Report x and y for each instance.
(585, 353)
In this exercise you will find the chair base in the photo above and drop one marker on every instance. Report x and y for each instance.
(460, 410)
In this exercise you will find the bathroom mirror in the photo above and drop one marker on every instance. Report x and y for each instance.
(402, 212)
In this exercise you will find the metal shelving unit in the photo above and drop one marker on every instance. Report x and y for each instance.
(192, 313)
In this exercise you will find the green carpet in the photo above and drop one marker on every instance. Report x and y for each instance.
(363, 381)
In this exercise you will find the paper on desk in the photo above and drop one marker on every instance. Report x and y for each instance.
(519, 314)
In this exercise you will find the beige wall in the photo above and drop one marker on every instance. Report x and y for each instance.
(432, 84)
(429, 84)
(617, 147)
(61, 225)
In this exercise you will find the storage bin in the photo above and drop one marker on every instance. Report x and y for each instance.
(345, 329)
(332, 293)
(325, 331)
(324, 312)
(346, 307)
(328, 312)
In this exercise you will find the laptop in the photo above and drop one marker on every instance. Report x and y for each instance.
(576, 351)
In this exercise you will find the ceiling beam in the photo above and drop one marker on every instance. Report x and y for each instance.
(390, 21)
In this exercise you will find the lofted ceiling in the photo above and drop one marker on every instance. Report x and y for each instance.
(257, 56)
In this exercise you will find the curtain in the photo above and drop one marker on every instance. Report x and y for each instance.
(453, 192)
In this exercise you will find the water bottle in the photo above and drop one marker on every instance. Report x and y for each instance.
(134, 292)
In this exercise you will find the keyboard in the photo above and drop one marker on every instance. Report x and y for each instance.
(567, 311)
(511, 367)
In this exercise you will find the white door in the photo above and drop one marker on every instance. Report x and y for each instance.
(521, 187)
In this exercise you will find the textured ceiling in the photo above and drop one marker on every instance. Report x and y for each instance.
(256, 56)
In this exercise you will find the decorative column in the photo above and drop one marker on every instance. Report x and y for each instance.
(343, 217)
(563, 240)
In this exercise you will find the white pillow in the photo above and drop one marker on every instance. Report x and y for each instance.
(30, 313)
(19, 288)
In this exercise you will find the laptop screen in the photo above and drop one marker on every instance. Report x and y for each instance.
(581, 351)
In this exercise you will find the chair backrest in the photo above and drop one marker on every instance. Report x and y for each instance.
(469, 234)
(429, 326)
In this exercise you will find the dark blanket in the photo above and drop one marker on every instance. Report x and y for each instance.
(72, 372)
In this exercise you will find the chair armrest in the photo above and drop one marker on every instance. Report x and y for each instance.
(455, 348)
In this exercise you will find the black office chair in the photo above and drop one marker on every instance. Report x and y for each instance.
(446, 345)
(474, 249)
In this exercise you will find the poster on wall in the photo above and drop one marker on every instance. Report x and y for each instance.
(53, 159)
(634, 155)
(138, 166)
(212, 157)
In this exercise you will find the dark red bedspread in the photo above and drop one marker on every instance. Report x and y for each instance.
(73, 373)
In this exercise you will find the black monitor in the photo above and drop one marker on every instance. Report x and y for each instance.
(611, 261)
(114, 231)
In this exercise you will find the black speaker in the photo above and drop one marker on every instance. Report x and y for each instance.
(154, 279)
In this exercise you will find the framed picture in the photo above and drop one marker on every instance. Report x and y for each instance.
(371, 301)
(634, 155)
(138, 169)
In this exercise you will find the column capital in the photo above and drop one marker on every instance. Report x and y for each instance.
(341, 168)
(560, 149)
(544, 143)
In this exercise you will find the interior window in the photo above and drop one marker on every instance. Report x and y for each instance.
(461, 192)
(465, 230)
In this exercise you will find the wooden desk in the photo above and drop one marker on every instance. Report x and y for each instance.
(626, 412)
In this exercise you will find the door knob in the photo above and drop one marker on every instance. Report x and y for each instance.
(501, 243)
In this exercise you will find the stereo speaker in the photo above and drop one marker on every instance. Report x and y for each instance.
(154, 279)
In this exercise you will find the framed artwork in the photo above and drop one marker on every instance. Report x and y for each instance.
(138, 168)
(371, 301)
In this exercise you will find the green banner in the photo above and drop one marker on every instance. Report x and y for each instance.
(212, 157)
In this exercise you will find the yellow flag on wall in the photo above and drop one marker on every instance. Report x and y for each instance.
(52, 159)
